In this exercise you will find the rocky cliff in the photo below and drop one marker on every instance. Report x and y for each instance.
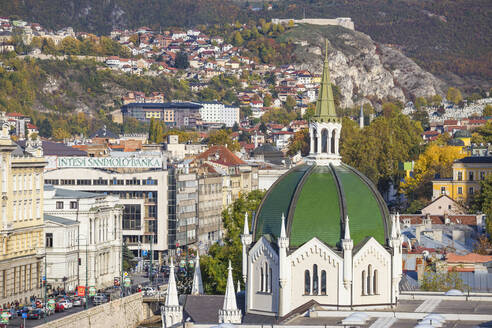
(363, 70)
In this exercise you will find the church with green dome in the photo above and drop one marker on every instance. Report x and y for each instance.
(322, 234)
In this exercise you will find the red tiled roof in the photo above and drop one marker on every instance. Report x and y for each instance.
(31, 126)
(439, 219)
(220, 155)
(14, 114)
(468, 258)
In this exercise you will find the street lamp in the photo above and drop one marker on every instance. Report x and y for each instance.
(82, 236)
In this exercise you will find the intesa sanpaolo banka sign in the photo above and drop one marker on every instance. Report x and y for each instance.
(108, 162)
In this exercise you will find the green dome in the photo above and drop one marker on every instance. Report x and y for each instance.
(315, 200)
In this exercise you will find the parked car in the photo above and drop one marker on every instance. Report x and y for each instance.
(59, 307)
(66, 303)
(35, 314)
(148, 291)
(48, 311)
(100, 299)
(78, 301)
(23, 309)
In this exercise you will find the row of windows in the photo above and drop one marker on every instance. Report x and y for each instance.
(101, 182)
(73, 205)
(471, 190)
(471, 176)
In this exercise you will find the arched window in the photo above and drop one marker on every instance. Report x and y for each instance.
(315, 280)
(270, 284)
(307, 282)
(363, 282)
(333, 138)
(261, 280)
(369, 280)
(375, 282)
(315, 138)
(265, 287)
(323, 282)
(324, 141)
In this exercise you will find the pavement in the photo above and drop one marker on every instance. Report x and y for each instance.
(137, 279)
(16, 322)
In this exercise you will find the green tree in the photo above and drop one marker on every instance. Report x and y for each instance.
(237, 40)
(483, 202)
(181, 60)
(441, 281)
(45, 129)
(128, 258)
(309, 112)
(290, 103)
(214, 265)
(267, 100)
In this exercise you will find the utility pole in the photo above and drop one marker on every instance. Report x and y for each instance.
(86, 275)
(186, 243)
(45, 282)
(121, 279)
(151, 257)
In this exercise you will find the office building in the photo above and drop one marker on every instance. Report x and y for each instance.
(176, 114)
(215, 112)
(140, 182)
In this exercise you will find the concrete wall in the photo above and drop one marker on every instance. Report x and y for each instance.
(125, 312)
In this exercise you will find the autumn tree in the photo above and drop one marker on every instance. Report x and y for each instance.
(60, 134)
(223, 137)
(299, 142)
(378, 148)
(487, 111)
(435, 161)
(454, 95)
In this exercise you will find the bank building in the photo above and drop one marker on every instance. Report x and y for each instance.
(322, 236)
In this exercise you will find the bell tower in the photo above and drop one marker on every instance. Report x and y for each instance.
(325, 126)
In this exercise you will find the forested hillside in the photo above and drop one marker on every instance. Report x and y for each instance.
(450, 38)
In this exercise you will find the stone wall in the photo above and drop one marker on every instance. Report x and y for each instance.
(125, 312)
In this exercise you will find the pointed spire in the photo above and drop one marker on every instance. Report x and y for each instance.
(347, 229)
(282, 228)
(230, 295)
(393, 227)
(197, 288)
(325, 105)
(398, 231)
(172, 291)
(246, 225)
(238, 286)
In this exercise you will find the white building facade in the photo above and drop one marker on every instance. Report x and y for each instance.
(98, 239)
(215, 112)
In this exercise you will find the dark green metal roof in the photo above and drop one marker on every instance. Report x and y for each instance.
(367, 217)
(316, 209)
(315, 201)
(277, 201)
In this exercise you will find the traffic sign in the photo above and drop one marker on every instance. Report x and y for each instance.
(92, 291)
(81, 290)
(125, 274)
(24, 315)
(4, 317)
(127, 281)
(144, 253)
(44, 278)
